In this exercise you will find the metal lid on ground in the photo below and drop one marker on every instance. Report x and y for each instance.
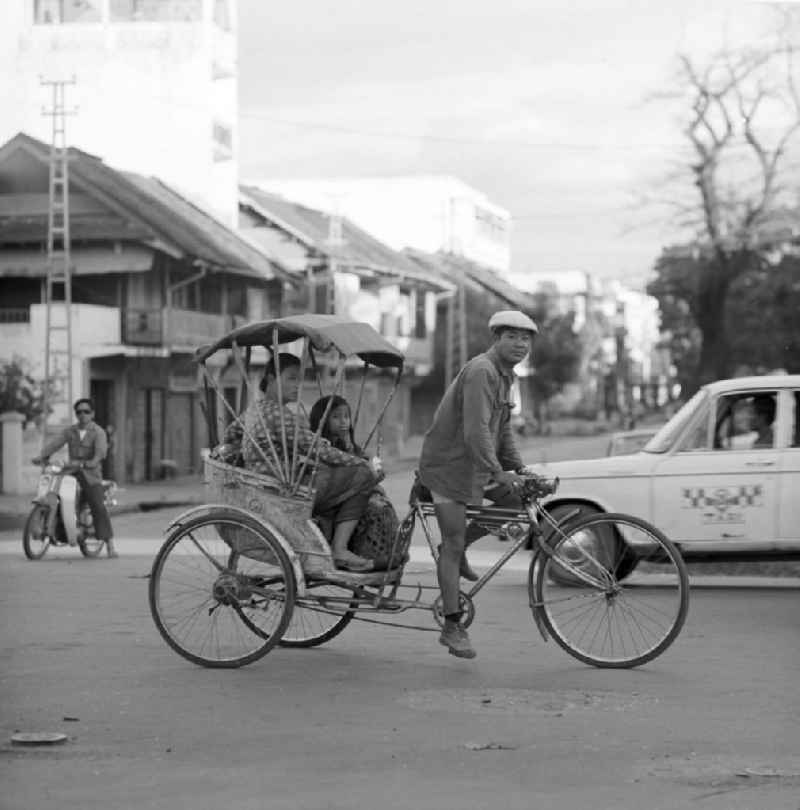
(325, 332)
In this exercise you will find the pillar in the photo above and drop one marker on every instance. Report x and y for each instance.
(12, 422)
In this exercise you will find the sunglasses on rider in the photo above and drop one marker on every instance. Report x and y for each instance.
(83, 410)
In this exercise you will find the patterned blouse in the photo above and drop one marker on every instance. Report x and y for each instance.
(256, 426)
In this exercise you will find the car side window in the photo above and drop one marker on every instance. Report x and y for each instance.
(745, 421)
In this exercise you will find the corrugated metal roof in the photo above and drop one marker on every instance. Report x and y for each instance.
(86, 261)
(454, 268)
(358, 250)
(170, 216)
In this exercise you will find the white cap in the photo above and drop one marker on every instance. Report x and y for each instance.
(514, 319)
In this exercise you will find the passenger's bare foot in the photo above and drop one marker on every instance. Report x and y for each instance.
(348, 561)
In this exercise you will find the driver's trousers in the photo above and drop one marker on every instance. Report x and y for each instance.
(499, 495)
(93, 495)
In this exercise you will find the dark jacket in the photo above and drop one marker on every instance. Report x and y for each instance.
(88, 452)
(470, 439)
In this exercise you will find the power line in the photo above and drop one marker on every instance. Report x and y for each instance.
(738, 142)
(589, 147)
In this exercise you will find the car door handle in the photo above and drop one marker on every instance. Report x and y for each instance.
(759, 464)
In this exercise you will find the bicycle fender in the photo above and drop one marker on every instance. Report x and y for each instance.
(205, 509)
(536, 610)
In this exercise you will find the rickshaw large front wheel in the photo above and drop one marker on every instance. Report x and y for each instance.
(599, 618)
(215, 608)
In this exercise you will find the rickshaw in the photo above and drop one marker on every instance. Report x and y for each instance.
(252, 569)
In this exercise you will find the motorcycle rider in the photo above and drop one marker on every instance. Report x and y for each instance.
(87, 446)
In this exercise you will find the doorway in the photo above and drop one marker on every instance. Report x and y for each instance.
(153, 432)
(101, 392)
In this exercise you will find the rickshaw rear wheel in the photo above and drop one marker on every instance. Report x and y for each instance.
(214, 614)
(313, 621)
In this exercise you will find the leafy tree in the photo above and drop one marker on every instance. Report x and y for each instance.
(675, 288)
(555, 358)
(766, 295)
(19, 391)
(743, 112)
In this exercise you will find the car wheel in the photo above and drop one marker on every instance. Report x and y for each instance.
(609, 550)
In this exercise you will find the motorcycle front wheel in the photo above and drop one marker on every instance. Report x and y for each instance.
(34, 540)
(89, 545)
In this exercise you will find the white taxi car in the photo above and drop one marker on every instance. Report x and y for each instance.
(721, 478)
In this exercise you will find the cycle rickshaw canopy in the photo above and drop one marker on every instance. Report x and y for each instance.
(324, 332)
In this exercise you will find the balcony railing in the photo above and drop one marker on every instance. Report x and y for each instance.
(187, 328)
(175, 327)
(142, 327)
(15, 314)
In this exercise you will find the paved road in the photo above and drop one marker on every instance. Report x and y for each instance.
(384, 716)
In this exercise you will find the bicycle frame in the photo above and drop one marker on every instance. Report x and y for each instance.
(519, 524)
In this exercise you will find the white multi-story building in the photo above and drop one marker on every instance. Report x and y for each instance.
(607, 311)
(427, 212)
(155, 86)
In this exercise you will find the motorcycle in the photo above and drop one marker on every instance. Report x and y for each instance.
(60, 517)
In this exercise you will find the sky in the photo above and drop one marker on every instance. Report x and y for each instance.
(547, 107)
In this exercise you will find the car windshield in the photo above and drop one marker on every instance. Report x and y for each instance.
(668, 434)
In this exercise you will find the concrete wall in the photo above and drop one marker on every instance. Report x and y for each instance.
(95, 331)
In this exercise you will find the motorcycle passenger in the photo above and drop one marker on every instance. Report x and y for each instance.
(87, 446)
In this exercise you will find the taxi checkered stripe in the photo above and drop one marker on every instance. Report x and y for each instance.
(744, 495)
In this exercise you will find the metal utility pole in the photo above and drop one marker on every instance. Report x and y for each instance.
(58, 286)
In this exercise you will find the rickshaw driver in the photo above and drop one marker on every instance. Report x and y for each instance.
(344, 481)
(469, 454)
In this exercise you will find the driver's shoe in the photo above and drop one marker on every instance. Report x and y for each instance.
(111, 552)
(455, 638)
